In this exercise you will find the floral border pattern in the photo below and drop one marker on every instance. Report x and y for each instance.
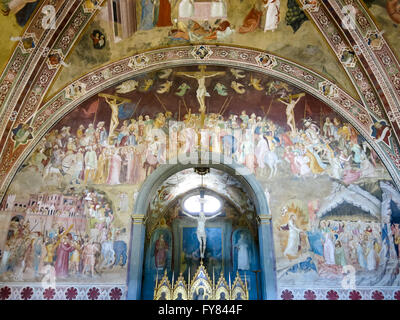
(63, 292)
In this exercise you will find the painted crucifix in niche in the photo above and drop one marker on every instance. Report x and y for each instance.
(201, 222)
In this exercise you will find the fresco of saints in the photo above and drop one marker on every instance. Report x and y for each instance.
(160, 252)
(329, 249)
(115, 168)
(90, 164)
(380, 131)
(89, 257)
(200, 294)
(218, 9)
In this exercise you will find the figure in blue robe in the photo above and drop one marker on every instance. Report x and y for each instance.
(147, 19)
(304, 266)
(315, 240)
(126, 110)
(361, 257)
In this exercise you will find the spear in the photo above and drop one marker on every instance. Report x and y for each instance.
(245, 283)
(226, 105)
(189, 282)
(162, 104)
(34, 227)
(184, 103)
(137, 105)
(213, 280)
(230, 288)
(156, 288)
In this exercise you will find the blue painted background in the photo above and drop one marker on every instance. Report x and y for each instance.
(254, 263)
(190, 252)
(150, 270)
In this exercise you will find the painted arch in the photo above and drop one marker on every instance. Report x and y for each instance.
(266, 63)
(343, 193)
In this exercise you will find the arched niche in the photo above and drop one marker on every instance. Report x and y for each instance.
(255, 193)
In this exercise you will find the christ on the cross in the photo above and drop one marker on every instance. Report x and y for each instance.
(290, 105)
(201, 228)
(201, 77)
(114, 102)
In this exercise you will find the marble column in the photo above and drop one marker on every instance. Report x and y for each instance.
(267, 258)
(136, 257)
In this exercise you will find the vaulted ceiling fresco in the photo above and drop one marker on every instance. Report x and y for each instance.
(299, 41)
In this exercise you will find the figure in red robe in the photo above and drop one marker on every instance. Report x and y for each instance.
(62, 261)
(251, 22)
(160, 252)
(393, 9)
(164, 15)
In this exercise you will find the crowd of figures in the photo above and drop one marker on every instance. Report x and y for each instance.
(209, 20)
(59, 250)
(328, 246)
(140, 144)
(337, 244)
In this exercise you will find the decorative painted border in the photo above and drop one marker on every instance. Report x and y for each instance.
(28, 291)
(376, 71)
(340, 45)
(27, 77)
(379, 58)
(379, 61)
(22, 63)
(379, 293)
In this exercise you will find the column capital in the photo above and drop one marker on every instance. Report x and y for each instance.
(138, 218)
(264, 219)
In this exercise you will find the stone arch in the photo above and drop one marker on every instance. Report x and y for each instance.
(250, 184)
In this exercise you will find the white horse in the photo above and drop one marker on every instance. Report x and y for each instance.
(271, 160)
(108, 253)
(50, 170)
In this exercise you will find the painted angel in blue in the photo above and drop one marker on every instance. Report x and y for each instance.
(147, 19)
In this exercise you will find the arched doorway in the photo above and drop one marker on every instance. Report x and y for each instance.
(254, 192)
